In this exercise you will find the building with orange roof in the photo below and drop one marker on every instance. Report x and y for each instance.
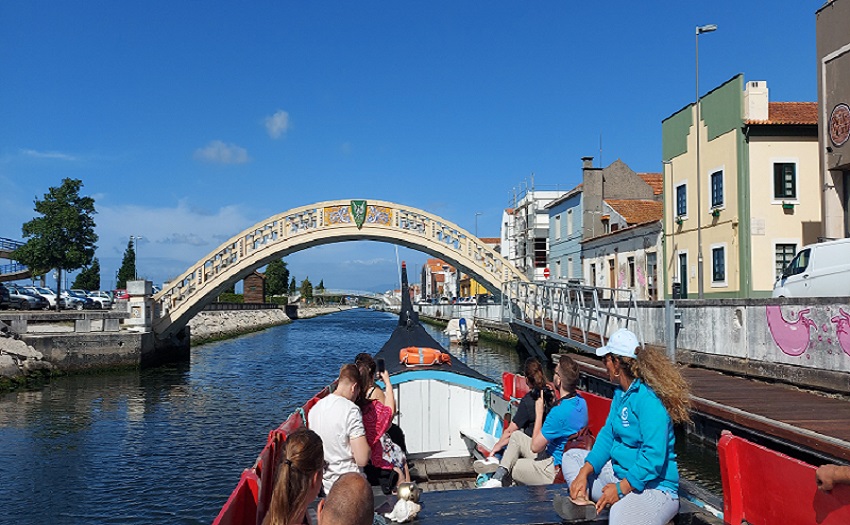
(438, 279)
(582, 213)
(756, 198)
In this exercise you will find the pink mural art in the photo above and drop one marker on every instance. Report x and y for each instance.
(641, 277)
(792, 337)
(842, 330)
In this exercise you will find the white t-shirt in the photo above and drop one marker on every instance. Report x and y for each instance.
(337, 421)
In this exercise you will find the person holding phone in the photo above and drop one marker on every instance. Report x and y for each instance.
(386, 454)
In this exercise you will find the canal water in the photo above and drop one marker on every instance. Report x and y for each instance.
(168, 445)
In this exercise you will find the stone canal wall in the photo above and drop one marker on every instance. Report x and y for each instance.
(215, 325)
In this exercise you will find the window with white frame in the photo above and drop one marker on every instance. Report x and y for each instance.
(569, 267)
(785, 180)
(718, 264)
(557, 227)
(717, 189)
(681, 200)
(569, 222)
(784, 254)
(558, 268)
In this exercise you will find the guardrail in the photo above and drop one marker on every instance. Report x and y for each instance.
(12, 268)
(9, 244)
(220, 307)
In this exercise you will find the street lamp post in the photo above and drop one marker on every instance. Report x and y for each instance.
(708, 28)
(476, 222)
(136, 239)
(672, 221)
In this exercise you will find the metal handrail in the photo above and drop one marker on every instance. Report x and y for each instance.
(9, 244)
(585, 311)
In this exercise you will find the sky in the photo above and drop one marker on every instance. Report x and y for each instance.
(190, 121)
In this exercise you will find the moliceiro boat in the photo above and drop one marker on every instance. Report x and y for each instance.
(451, 414)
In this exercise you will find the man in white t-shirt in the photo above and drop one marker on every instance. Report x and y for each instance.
(337, 420)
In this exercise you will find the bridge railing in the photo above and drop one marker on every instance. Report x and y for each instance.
(9, 244)
(12, 268)
(581, 316)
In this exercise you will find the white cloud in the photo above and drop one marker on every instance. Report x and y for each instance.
(371, 262)
(277, 124)
(217, 152)
(50, 155)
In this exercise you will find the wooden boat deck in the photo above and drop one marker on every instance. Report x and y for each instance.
(813, 423)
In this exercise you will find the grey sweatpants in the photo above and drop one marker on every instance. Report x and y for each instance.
(650, 507)
(527, 467)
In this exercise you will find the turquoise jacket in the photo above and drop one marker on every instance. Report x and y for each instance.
(638, 439)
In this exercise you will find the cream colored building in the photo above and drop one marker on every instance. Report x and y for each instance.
(759, 193)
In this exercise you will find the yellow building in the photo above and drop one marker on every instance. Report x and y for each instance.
(758, 199)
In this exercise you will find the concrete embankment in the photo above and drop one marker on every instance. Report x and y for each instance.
(210, 326)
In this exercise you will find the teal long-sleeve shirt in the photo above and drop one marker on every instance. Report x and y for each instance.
(638, 439)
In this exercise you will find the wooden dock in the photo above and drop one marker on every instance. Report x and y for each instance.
(780, 416)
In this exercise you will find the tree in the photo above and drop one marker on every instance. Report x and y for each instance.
(277, 277)
(63, 236)
(89, 278)
(292, 286)
(306, 289)
(127, 272)
(321, 287)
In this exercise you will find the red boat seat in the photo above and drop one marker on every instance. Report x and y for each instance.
(765, 487)
(241, 506)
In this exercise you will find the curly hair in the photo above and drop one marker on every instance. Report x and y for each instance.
(665, 379)
(301, 459)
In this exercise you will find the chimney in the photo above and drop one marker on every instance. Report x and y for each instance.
(586, 162)
(756, 101)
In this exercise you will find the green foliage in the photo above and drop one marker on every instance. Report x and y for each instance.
(89, 278)
(279, 299)
(277, 277)
(62, 236)
(307, 289)
(231, 289)
(321, 287)
(127, 271)
(292, 286)
(231, 298)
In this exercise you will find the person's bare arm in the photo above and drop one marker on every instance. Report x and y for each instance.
(827, 476)
(538, 440)
(361, 451)
(389, 395)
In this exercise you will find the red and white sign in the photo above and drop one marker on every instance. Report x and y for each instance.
(545, 273)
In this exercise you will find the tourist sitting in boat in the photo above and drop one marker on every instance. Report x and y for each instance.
(523, 420)
(377, 418)
(350, 502)
(632, 465)
(535, 460)
(338, 421)
(299, 479)
(373, 391)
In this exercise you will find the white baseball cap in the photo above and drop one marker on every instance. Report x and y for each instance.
(622, 342)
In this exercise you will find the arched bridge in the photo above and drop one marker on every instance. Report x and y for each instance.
(318, 224)
(329, 292)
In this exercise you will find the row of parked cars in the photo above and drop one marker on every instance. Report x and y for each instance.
(481, 299)
(18, 297)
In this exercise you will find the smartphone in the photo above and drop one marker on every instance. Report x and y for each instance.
(381, 367)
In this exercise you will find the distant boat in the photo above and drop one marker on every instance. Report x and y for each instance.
(462, 331)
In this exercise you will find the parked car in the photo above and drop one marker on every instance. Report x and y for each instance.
(818, 270)
(77, 300)
(103, 298)
(48, 294)
(120, 295)
(5, 302)
(23, 299)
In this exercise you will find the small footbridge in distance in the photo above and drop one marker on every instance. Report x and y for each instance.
(13, 270)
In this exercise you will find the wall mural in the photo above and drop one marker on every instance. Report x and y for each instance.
(809, 328)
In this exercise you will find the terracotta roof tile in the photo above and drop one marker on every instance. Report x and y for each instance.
(490, 240)
(655, 181)
(637, 211)
(790, 113)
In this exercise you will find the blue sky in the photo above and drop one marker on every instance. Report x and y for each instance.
(190, 121)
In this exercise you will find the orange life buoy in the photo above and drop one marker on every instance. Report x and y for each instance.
(415, 355)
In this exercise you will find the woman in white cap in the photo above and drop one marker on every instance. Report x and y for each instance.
(632, 466)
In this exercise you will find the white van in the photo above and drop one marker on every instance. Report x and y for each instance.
(818, 270)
